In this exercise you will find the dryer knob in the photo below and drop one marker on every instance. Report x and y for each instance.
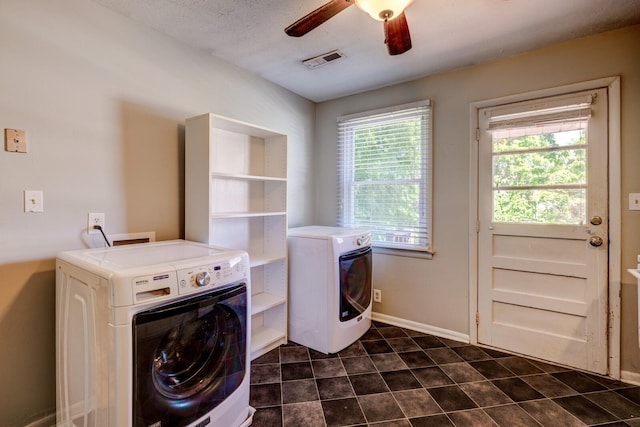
(203, 278)
(364, 240)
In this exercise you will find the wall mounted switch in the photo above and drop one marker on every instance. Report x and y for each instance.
(15, 140)
(33, 201)
(634, 201)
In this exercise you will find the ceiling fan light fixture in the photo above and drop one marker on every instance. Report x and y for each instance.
(383, 9)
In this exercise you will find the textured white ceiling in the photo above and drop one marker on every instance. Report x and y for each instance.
(446, 34)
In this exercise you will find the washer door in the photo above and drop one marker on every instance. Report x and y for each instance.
(355, 283)
(189, 356)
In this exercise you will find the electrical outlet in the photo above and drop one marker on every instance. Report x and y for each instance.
(377, 295)
(93, 220)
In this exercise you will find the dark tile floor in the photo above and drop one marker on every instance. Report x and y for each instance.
(393, 377)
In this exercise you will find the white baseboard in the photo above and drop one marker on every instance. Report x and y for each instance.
(48, 421)
(420, 327)
(630, 377)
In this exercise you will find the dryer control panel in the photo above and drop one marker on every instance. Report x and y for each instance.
(213, 275)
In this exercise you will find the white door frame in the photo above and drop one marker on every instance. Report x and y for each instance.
(613, 87)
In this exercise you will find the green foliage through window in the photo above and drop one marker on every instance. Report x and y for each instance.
(540, 178)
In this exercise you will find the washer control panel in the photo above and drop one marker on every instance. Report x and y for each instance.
(212, 275)
(363, 240)
(348, 243)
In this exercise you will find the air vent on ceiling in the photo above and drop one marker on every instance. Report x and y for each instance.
(325, 58)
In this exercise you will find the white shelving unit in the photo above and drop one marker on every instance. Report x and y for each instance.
(236, 197)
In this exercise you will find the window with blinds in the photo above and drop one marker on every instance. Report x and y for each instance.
(384, 175)
(540, 163)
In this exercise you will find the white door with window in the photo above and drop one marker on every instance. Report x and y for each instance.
(543, 229)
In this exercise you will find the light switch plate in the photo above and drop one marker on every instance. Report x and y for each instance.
(33, 201)
(634, 201)
(15, 140)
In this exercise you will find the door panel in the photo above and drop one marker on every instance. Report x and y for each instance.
(542, 286)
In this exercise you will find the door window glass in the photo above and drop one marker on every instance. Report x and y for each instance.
(540, 166)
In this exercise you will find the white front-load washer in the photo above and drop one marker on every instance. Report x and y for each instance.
(153, 334)
(330, 291)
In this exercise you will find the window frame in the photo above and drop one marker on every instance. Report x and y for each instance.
(345, 159)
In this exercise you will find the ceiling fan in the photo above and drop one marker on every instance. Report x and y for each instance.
(391, 12)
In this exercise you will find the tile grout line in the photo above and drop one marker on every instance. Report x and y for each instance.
(554, 372)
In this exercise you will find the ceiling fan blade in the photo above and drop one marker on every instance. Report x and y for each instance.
(396, 35)
(319, 16)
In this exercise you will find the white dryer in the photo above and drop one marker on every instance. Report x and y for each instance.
(330, 292)
(153, 334)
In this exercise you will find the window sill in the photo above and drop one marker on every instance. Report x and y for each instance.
(406, 253)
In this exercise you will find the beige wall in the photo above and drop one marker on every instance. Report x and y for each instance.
(103, 102)
(436, 292)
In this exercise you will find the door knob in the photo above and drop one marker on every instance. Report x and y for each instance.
(596, 220)
(596, 241)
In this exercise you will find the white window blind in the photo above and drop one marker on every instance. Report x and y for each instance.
(384, 175)
(544, 119)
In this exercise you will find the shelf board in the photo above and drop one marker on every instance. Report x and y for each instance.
(246, 214)
(247, 177)
(257, 260)
(262, 337)
(263, 301)
(237, 126)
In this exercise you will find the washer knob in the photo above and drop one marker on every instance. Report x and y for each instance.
(203, 278)
(362, 240)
